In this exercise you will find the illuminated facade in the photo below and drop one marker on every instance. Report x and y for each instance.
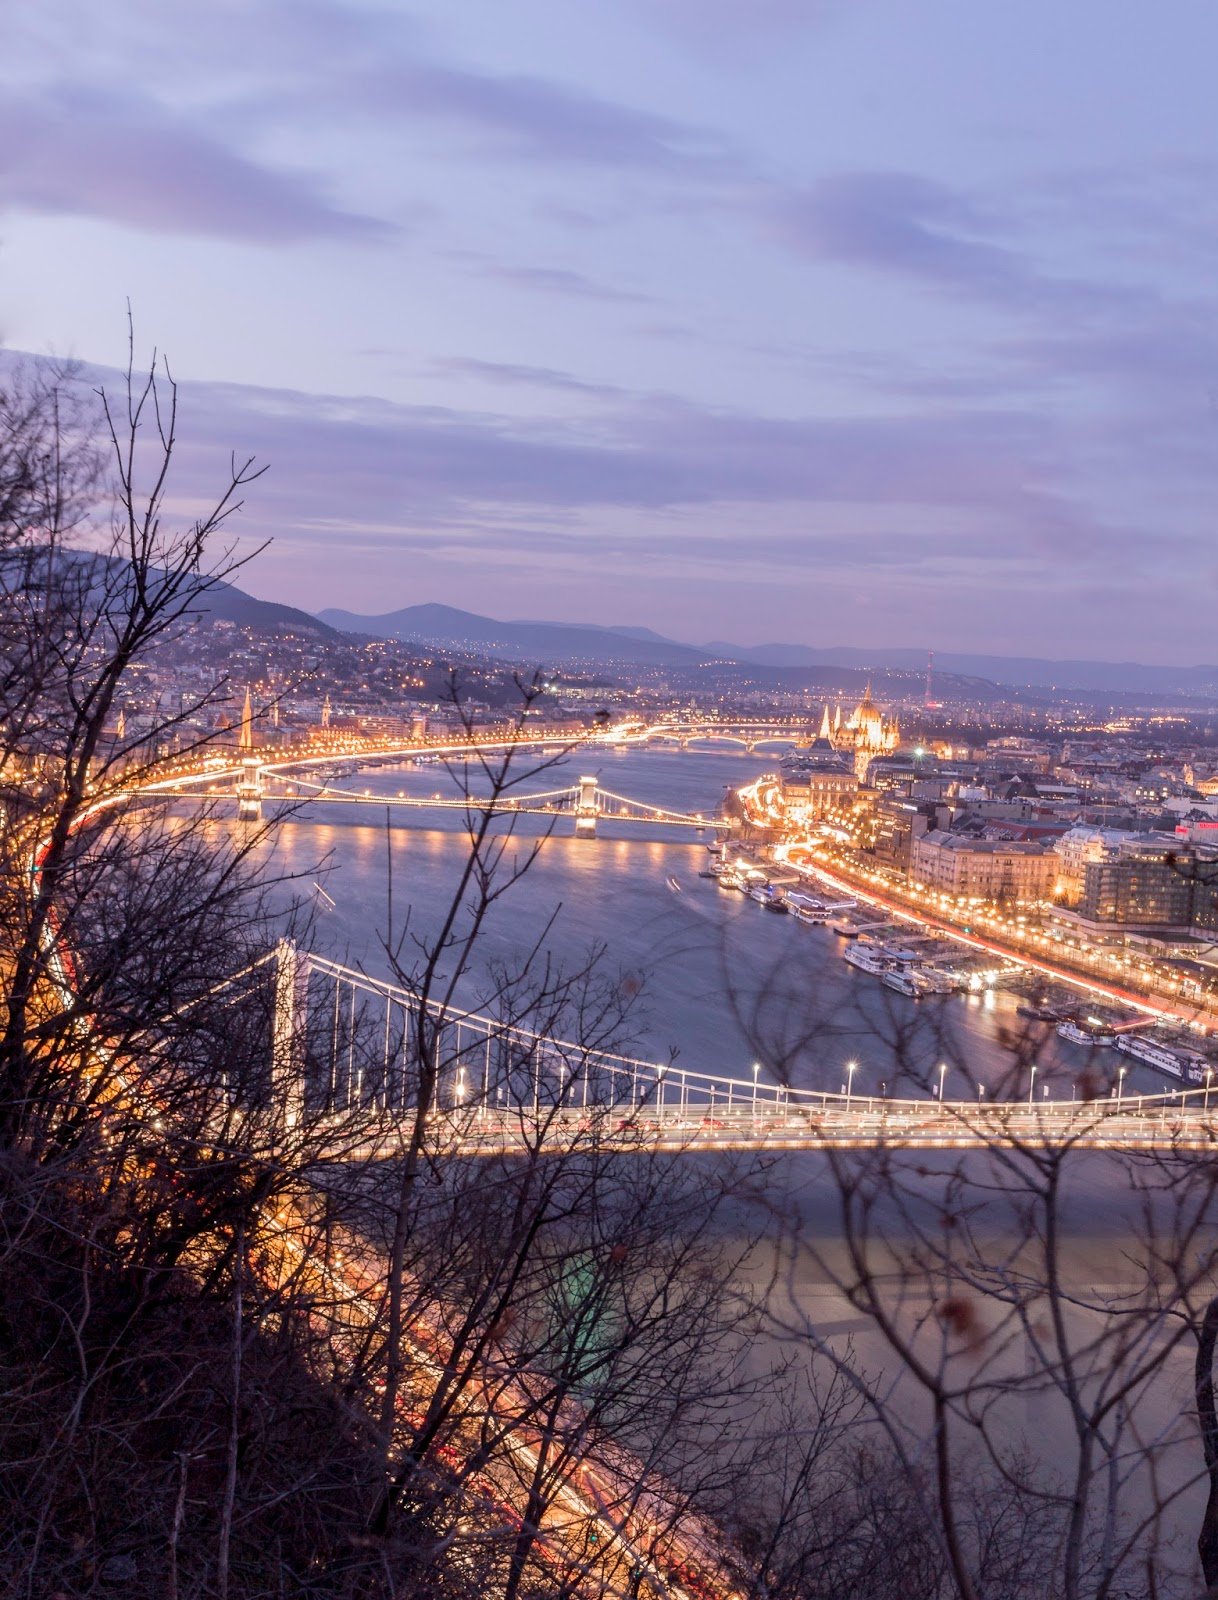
(865, 734)
(817, 779)
(983, 869)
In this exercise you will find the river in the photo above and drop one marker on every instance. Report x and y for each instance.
(721, 983)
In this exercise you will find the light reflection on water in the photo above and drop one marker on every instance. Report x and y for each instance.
(723, 981)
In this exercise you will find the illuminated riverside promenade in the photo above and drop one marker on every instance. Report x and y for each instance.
(990, 928)
(202, 767)
(1087, 970)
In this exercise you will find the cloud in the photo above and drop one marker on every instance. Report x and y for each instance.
(945, 494)
(533, 118)
(717, 28)
(946, 516)
(513, 374)
(130, 160)
(549, 280)
(898, 222)
(909, 226)
(961, 482)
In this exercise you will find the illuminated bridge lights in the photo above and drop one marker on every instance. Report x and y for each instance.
(569, 1094)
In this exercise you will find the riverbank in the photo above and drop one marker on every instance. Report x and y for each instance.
(849, 879)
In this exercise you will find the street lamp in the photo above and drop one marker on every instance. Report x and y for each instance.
(756, 1070)
(1121, 1071)
(851, 1069)
(942, 1075)
(1031, 1085)
(1209, 1074)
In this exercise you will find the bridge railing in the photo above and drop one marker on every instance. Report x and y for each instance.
(366, 1039)
(341, 1042)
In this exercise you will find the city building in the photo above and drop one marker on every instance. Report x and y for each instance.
(816, 779)
(1144, 891)
(983, 869)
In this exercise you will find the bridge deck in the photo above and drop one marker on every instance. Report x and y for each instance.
(910, 1125)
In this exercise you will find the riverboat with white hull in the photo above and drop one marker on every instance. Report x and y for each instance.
(903, 983)
(1183, 1068)
(866, 960)
(1075, 1032)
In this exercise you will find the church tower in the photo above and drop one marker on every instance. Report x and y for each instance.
(245, 740)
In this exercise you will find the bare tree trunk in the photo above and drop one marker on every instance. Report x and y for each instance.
(224, 1537)
(175, 1528)
(1203, 1369)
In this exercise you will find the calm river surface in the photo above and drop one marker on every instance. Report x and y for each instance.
(722, 982)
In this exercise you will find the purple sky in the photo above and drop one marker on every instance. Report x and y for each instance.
(831, 321)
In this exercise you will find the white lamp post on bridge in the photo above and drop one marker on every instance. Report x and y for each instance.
(851, 1068)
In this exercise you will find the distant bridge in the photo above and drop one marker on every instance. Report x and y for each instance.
(747, 734)
(347, 1046)
(252, 770)
(585, 801)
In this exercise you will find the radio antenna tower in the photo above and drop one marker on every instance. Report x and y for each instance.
(930, 673)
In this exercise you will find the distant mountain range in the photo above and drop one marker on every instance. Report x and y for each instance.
(222, 601)
(1018, 671)
(582, 643)
(230, 604)
(542, 642)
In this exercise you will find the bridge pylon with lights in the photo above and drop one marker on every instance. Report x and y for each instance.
(250, 790)
(587, 808)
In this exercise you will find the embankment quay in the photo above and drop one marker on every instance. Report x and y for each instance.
(1120, 978)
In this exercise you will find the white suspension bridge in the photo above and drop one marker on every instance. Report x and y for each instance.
(586, 801)
(349, 1046)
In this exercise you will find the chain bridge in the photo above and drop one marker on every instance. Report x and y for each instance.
(585, 801)
(348, 1047)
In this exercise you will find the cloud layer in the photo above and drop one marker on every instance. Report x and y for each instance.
(808, 306)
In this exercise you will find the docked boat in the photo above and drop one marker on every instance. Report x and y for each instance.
(866, 960)
(730, 880)
(1039, 1013)
(1090, 1034)
(903, 982)
(1176, 1064)
(809, 908)
(776, 902)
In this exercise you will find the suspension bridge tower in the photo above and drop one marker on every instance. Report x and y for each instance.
(587, 809)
